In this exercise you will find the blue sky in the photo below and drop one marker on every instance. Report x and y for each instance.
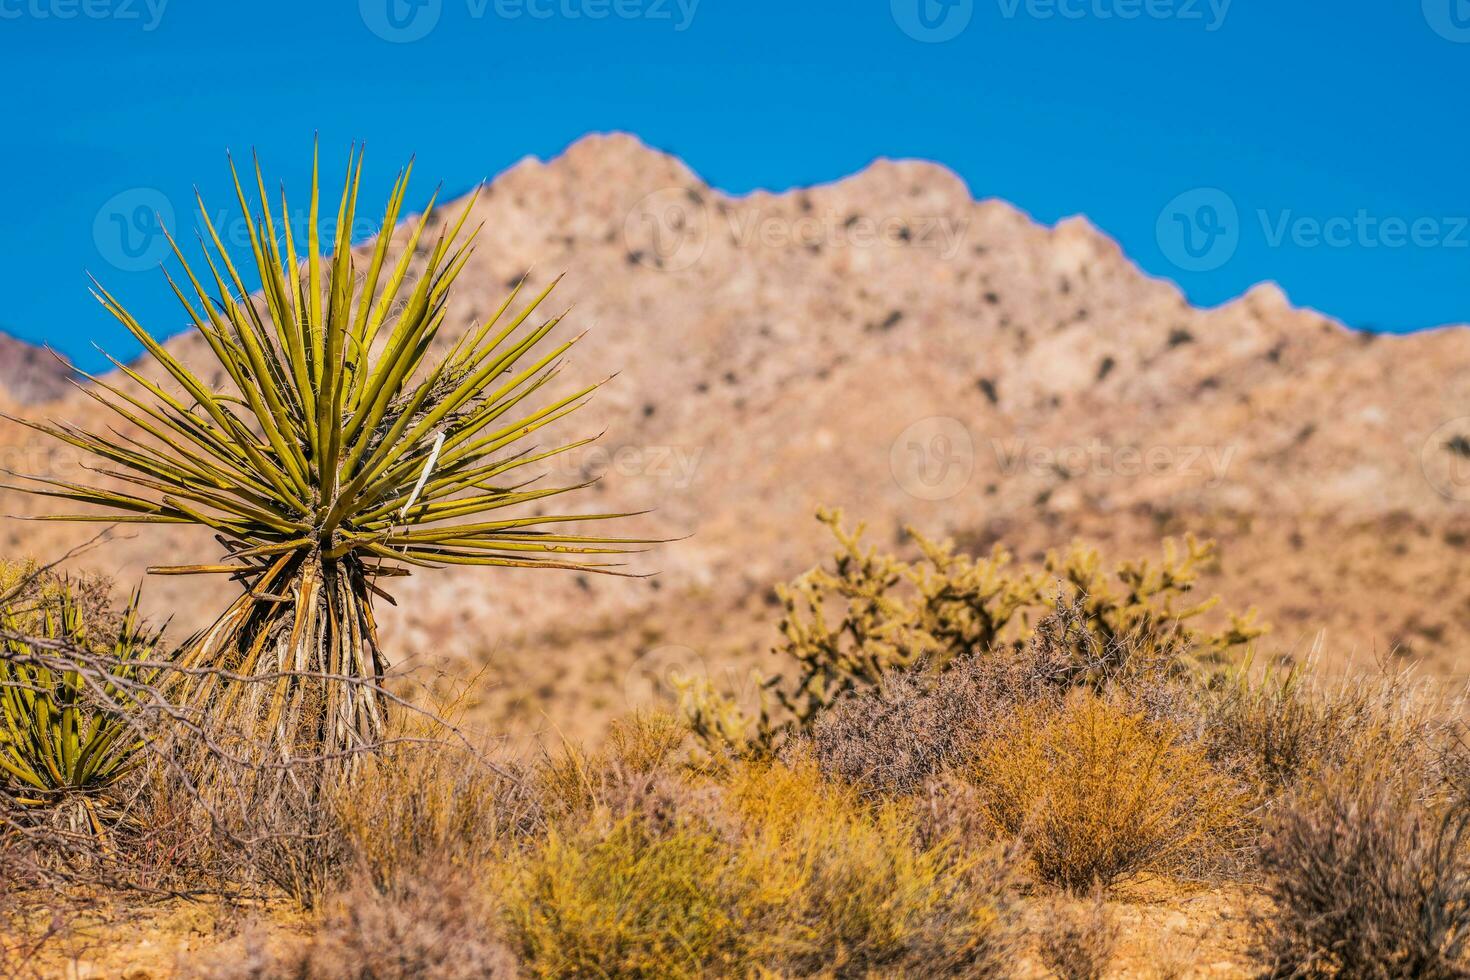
(1223, 142)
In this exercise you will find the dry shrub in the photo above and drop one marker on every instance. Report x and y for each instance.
(437, 927)
(1284, 728)
(26, 586)
(1366, 881)
(916, 725)
(1099, 793)
(799, 878)
(1077, 941)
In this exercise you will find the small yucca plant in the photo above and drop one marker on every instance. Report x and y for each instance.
(338, 453)
(66, 727)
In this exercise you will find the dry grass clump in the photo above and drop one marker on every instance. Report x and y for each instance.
(441, 926)
(637, 751)
(1282, 729)
(1077, 941)
(1366, 881)
(1099, 793)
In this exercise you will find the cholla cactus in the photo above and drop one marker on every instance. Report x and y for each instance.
(848, 626)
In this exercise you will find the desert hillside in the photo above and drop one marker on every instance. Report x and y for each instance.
(890, 345)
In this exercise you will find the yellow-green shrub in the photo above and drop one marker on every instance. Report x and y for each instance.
(801, 879)
(1099, 793)
(621, 901)
(850, 890)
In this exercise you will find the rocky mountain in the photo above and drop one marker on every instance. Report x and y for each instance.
(31, 375)
(890, 345)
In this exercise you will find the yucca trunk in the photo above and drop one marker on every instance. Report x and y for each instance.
(300, 651)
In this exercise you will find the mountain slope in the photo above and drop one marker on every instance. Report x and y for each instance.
(31, 375)
(892, 346)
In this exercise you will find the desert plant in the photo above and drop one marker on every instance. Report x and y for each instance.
(916, 725)
(1099, 793)
(852, 890)
(1077, 941)
(1365, 881)
(435, 925)
(1281, 727)
(783, 875)
(66, 700)
(340, 454)
(847, 627)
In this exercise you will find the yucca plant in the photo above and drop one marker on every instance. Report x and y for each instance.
(338, 453)
(67, 728)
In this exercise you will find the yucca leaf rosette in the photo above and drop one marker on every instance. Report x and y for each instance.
(338, 450)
